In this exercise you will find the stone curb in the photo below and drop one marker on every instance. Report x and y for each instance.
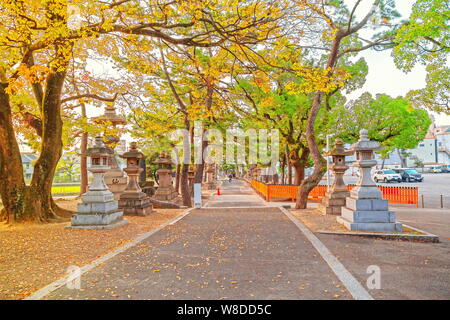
(347, 279)
(426, 237)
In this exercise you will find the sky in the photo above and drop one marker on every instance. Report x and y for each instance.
(383, 75)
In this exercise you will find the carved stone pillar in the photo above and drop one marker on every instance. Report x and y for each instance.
(334, 199)
(133, 201)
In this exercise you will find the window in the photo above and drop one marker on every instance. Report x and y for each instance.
(422, 145)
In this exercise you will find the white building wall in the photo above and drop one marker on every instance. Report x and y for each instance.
(425, 151)
(443, 145)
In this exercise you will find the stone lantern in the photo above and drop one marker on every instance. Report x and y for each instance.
(334, 199)
(98, 209)
(165, 189)
(251, 171)
(114, 177)
(257, 173)
(210, 176)
(365, 209)
(133, 201)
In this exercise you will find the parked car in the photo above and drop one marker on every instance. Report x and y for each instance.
(434, 169)
(386, 175)
(409, 175)
(446, 168)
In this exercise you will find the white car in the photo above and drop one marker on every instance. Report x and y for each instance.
(436, 169)
(386, 176)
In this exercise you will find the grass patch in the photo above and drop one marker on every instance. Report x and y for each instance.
(65, 189)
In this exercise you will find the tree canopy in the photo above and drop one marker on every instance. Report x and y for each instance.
(267, 63)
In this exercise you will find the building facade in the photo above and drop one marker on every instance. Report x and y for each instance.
(434, 149)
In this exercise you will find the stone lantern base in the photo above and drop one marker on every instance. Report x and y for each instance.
(135, 204)
(371, 215)
(165, 193)
(333, 202)
(98, 210)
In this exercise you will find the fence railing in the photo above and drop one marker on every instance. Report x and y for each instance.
(402, 195)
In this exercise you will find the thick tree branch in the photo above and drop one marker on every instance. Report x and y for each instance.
(90, 96)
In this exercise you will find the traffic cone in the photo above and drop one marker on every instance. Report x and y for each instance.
(218, 191)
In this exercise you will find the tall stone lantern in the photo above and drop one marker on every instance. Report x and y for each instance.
(334, 198)
(365, 208)
(98, 209)
(165, 189)
(133, 201)
(257, 173)
(191, 177)
(114, 177)
(252, 171)
(210, 176)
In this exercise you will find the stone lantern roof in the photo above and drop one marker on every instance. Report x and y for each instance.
(364, 144)
(99, 149)
(111, 116)
(163, 159)
(338, 149)
(133, 153)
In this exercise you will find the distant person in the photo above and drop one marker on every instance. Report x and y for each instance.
(230, 177)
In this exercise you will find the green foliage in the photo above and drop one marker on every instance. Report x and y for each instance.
(358, 72)
(393, 122)
(425, 38)
(69, 166)
(436, 94)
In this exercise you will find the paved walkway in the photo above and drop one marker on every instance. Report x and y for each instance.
(246, 252)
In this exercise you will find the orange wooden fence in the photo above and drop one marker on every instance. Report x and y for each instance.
(403, 195)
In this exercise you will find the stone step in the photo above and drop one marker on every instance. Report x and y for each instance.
(97, 207)
(93, 219)
(370, 226)
(368, 216)
(366, 204)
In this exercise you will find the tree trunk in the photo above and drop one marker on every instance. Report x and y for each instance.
(289, 166)
(177, 178)
(402, 158)
(200, 167)
(13, 190)
(184, 183)
(299, 163)
(299, 173)
(319, 161)
(32, 203)
(51, 149)
(83, 159)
